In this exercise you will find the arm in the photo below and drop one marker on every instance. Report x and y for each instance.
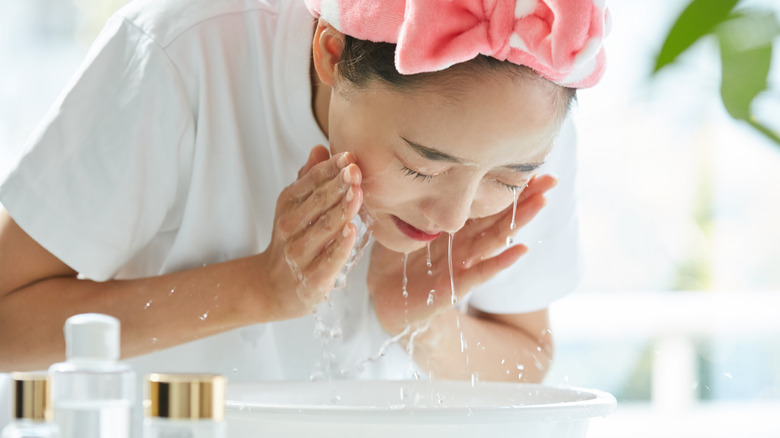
(38, 291)
(487, 346)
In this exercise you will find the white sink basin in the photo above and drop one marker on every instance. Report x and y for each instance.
(410, 409)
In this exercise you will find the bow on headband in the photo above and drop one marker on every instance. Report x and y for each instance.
(560, 39)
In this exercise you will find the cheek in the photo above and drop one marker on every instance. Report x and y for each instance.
(490, 201)
(383, 184)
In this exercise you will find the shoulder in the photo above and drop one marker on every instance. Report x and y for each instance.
(166, 20)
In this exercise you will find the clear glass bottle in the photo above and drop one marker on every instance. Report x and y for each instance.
(92, 394)
(31, 416)
(185, 406)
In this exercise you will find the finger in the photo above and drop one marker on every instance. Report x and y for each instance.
(487, 269)
(318, 153)
(495, 237)
(325, 268)
(307, 245)
(323, 171)
(301, 216)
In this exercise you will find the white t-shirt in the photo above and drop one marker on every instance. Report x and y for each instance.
(168, 151)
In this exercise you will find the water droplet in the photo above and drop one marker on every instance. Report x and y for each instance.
(204, 316)
(520, 367)
(154, 340)
(428, 262)
(515, 194)
(509, 241)
(728, 375)
(148, 303)
(449, 260)
(430, 296)
(405, 292)
(172, 291)
(503, 361)
(235, 370)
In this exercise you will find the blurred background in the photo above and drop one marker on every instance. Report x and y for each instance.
(680, 220)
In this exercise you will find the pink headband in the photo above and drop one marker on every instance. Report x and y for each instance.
(560, 39)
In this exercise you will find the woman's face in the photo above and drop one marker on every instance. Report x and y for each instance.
(435, 157)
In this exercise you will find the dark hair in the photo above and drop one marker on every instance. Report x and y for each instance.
(364, 61)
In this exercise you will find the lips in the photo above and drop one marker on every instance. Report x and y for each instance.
(413, 232)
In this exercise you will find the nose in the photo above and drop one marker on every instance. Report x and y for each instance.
(449, 210)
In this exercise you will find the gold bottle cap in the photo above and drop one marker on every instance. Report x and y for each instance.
(31, 396)
(186, 396)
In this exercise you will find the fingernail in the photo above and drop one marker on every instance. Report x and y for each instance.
(347, 177)
(345, 231)
(350, 194)
(342, 161)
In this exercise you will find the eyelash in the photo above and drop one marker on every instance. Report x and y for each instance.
(417, 175)
(428, 178)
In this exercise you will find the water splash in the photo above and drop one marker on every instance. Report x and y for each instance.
(449, 261)
(363, 223)
(383, 348)
(328, 366)
(410, 348)
(428, 261)
(515, 195)
(405, 280)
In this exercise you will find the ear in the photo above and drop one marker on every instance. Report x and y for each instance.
(326, 51)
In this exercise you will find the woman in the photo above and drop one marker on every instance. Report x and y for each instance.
(147, 192)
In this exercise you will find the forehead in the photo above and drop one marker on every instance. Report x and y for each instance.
(490, 120)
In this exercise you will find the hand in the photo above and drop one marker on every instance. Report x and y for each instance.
(474, 261)
(312, 236)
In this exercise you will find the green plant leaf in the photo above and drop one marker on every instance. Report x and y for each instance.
(697, 20)
(768, 133)
(746, 55)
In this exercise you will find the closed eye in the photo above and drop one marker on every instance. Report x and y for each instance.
(417, 175)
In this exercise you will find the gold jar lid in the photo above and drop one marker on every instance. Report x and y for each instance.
(186, 396)
(31, 396)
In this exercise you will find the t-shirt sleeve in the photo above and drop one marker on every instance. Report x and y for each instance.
(551, 268)
(99, 176)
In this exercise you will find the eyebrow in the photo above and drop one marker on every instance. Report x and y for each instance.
(529, 167)
(437, 155)
(433, 154)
